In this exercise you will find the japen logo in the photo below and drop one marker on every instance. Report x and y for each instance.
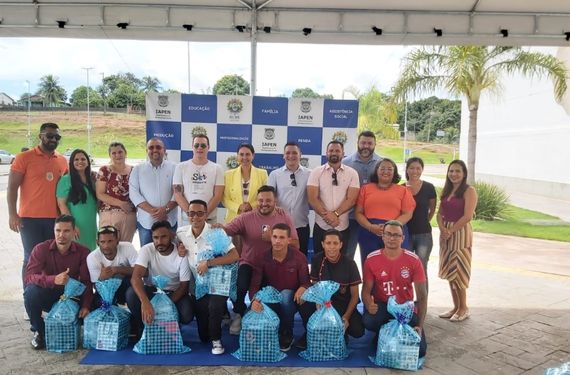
(163, 100)
(405, 272)
(269, 133)
(232, 162)
(340, 136)
(305, 106)
(198, 130)
(235, 105)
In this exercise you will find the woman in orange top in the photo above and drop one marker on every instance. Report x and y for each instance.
(379, 201)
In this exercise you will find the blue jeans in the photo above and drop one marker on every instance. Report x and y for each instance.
(38, 299)
(33, 231)
(286, 310)
(145, 235)
(352, 240)
(382, 316)
(421, 245)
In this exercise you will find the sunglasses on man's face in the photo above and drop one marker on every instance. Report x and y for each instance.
(200, 145)
(57, 137)
(155, 147)
(196, 213)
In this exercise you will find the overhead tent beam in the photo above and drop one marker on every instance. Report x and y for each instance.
(241, 21)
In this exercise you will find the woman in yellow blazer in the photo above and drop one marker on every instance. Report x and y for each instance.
(242, 183)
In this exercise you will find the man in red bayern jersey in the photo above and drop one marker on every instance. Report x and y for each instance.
(393, 271)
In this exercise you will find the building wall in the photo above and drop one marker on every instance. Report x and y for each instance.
(524, 136)
(5, 99)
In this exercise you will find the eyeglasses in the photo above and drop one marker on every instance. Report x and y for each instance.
(196, 213)
(57, 137)
(200, 145)
(293, 180)
(335, 180)
(245, 187)
(391, 235)
(155, 147)
(107, 229)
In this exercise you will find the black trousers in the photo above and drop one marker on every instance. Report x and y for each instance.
(303, 233)
(209, 312)
(243, 281)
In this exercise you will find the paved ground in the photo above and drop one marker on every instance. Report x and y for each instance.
(519, 298)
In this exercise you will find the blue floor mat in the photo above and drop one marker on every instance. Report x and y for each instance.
(201, 355)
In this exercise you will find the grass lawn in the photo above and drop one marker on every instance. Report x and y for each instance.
(126, 128)
(527, 223)
(429, 155)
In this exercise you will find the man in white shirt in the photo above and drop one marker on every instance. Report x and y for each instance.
(111, 259)
(150, 190)
(199, 178)
(210, 308)
(159, 258)
(290, 183)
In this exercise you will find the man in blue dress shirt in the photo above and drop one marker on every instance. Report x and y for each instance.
(150, 190)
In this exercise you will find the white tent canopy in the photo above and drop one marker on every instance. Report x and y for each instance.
(497, 22)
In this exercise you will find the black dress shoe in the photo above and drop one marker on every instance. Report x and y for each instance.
(38, 341)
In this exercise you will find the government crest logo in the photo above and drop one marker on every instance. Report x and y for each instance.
(305, 106)
(304, 162)
(232, 162)
(340, 136)
(235, 105)
(163, 101)
(269, 133)
(199, 130)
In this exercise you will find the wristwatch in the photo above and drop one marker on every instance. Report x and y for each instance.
(336, 213)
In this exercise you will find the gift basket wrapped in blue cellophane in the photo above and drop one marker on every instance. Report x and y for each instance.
(325, 329)
(259, 336)
(107, 328)
(62, 325)
(162, 336)
(219, 280)
(398, 342)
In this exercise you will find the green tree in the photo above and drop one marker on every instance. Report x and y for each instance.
(427, 116)
(231, 85)
(79, 97)
(308, 92)
(469, 71)
(124, 95)
(150, 84)
(51, 90)
(375, 113)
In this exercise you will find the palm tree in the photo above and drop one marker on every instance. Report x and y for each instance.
(150, 84)
(51, 91)
(375, 112)
(469, 71)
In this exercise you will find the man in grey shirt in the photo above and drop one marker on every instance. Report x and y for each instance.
(290, 183)
(150, 190)
(363, 161)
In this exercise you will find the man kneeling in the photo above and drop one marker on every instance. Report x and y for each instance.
(284, 268)
(210, 308)
(51, 264)
(159, 258)
(393, 271)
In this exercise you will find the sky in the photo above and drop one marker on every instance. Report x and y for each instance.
(327, 69)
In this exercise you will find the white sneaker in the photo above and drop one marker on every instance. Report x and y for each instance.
(217, 347)
(235, 327)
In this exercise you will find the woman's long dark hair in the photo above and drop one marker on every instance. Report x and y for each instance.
(448, 187)
(77, 192)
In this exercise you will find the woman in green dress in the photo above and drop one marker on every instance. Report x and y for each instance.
(76, 197)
